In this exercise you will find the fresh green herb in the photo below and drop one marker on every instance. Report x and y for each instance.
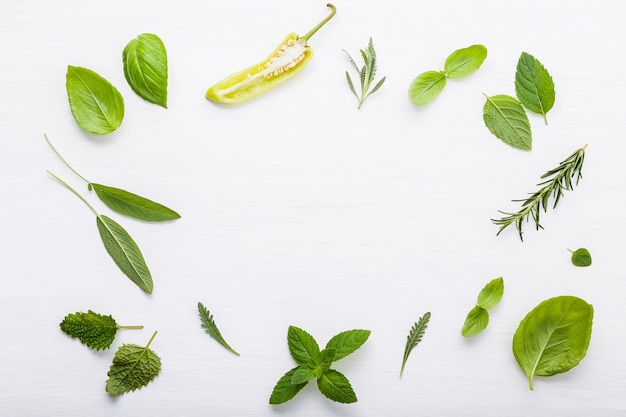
(97, 106)
(478, 317)
(581, 257)
(133, 368)
(554, 337)
(366, 73)
(505, 117)
(414, 337)
(125, 202)
(561, 180)
(460, 63)
(209, 326)
(94, 330)
(315, 364)
(534, 86)
(145, 68)
(120, 246)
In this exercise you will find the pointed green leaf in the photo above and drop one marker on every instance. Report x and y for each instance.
(414, 337)
(145, 68)
(426, 87)
(475, 322)
(209, 326)
(132, 205)
(284, 390)
(325, 359)
(304, 375)
(505, 117)
(581, 257)
(534, 86)
(125, 252)
(94, 330)
(335, 386)
(133, 367)
(347, 342)
(491, 294)
(97, 106)
(464, 62)
(303, 347)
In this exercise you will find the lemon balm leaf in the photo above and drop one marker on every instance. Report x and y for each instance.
(505, 117)
(534, 85)
(133, 368)
(93, 330)
(145, 68)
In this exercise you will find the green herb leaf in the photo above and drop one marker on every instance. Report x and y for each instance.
(284, 390)
(426, 87)
(414, 337)
(465, 61)
(303, 375)
(534, 86)
(475, 322)
(366, 73)
(554, 337)
(94, 330)
(132, 205)
(125, 252)
(133, 367)
(347, 342)
(145, 68)
(325, 359)
(491, 294)
(335, 386)
(581, 257)
(96, 105)
(303, 347)
(505, 117)
(209, 326)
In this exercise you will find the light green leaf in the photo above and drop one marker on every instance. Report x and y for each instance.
(303, 375)
(534, 86)
(335, 386)
(554, 337)
(465, 61)
(414, 337)
(426, 87)
(209, 326)
(133, 367)
(475, 322)
(581, 257)
(505, 117)
(97, 106)
(303, 347)
(347, 342)
(284, 390)
(125, 252)
(145, 68)
(132, 205)
(491, 294)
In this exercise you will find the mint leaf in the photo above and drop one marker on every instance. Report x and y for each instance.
(209, 326)
(132, 205)
(303, 375)
(145, 68)
(284, 390)
(94, 330)
(133, 367)
(475, 322)
(335, 386)
(465, 61)
(97, 106)
(302, 346)
(347, 342)
(491, 294)
(414, 337)
(534, 86)
(325, 359)
(581, 257)
(505, 117)
(426, 87)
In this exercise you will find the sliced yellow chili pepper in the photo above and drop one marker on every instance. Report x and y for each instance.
(286, 60)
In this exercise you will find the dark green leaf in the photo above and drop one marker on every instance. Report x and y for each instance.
(347, 342)
(335, 386)
(133, 367)
(303, 347)
(145, 68)
(475, 322)
(284, 390)
(505, 117)
(465, 61)
(132, 205)
(534, 86)
(414, 337)
(304, 375)
(325, 359)
(426, 87)
(92, 329)
(581, 257)
(491, 294)
(209, 326)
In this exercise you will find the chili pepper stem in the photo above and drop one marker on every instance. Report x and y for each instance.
(310, 33)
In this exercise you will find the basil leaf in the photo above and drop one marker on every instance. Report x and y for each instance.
(491, 294)
(464, 62)
(426, 87)
(505, 117)
(345, 343)
(132, 205)
(534, 86)
(475, 322)
(284, 390)
(302, 346)
(95, 103)
(125, 252)
(554, 337)
(335, 386)
(145, 68)
(581, 257)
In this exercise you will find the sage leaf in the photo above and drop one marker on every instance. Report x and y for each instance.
(347, 342)
(125, 252)
(284, 390)
(133, 367)
(505, 117)
(554, 337)
(426, 87)
(145, 68)
(335, 386)
(132, 205)
(491, 294)
(475, 322)
(581, 257)
(97, 106)
(465, 61)
(534, 86)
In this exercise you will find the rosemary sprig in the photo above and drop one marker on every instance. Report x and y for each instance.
(366, 73)
(561, 180)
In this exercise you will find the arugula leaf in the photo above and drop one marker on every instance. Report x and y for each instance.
(302, 346)
(465, 61)
(581, 257)
(554, 337)
(414, 337)
(491, 294)
(426, 87)
(475, 322)
(97, 106)
(94, 330)
(534, 86)
(347, 342)
(145, 68)
(505, 117)
(209, 326)
(133, 367)
(284, 390)
(335, 386)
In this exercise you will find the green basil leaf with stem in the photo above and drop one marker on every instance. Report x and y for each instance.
(505, 117)
(335, 386)
(97, 106)
(491, 294)
(581, 257)
(465, 61)
(302, 346)
(554, 337)
(475, 322)
(284, 390)
(119, 245)
(534, 86)
(145, 68)
(426, 87)
(345, 343)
